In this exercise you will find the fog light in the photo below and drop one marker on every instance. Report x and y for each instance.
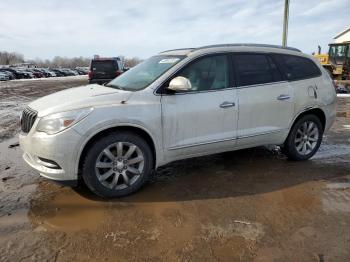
(47, 163)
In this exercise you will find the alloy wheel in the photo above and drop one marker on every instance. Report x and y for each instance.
(306, 138)
(119, 165)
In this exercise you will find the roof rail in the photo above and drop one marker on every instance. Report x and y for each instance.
(178, 49)
(248, 44)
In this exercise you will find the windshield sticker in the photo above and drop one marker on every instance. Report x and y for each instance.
(168, 60)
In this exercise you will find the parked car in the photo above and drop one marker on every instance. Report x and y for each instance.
(81, 71)
(4, 76)
(68, 72)
(48, 72)
(175, 105)
(103, 70)
(64, 72)
(15, 72)
(36, 73)
(9, 74)
(41, 72)
(52, 74)
(22, 73)
(75, 71)
(58, 72)
(25, 73)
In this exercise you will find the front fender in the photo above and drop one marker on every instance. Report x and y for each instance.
(106, 118)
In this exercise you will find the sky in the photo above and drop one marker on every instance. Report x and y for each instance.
(142, 28)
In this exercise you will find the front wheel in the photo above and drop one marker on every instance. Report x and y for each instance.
(117, 165)
(304, 138)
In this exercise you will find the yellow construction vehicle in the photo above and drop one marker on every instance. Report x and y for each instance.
(337, 61)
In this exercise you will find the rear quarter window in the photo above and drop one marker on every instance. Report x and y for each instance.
(297, 68)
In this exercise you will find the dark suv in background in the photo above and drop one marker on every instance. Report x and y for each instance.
(103, 70)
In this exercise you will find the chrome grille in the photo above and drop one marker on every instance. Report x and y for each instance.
(28, 119)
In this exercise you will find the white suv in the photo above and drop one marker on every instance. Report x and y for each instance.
(179, 104)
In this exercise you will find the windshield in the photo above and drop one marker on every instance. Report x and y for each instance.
(142, 75)
(338, 53)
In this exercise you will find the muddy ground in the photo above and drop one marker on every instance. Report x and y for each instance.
(250, 205)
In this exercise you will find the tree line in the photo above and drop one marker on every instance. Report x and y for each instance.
(11, 58)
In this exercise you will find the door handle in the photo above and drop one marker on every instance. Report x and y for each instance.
(227, 104)
(283, 97)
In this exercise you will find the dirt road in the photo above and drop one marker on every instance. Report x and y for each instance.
(250, 205)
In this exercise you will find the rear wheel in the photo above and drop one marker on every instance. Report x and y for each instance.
(117, 165)
(304, 138)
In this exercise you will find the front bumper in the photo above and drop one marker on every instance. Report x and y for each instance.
(53, 156)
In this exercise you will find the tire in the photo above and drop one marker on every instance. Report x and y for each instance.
(117, 165)
(302, 145)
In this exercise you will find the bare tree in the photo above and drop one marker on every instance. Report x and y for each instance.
(8, 58)
(59, 61)
(130, 62)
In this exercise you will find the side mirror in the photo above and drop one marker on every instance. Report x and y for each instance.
(180, 83)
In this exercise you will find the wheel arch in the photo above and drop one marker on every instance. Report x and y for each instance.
(131, 128)
(288, 149)
(312, 111)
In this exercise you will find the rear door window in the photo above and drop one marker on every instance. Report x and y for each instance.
(297, 68)
(254, 69)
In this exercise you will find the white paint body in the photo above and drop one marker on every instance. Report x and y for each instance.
(180, 125)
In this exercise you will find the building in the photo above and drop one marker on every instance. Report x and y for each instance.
(343, 36)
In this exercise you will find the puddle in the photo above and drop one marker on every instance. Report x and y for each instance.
(336, 197)
(69, 212)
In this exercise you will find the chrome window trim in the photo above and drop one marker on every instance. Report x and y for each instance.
(198, 92)
(155, 92)
(264, 84)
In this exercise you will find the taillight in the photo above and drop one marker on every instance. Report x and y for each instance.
(90, 75)
(118, 73)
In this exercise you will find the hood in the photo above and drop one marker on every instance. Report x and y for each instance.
(79, 97)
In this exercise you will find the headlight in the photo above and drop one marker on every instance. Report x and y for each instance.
(55, 123)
